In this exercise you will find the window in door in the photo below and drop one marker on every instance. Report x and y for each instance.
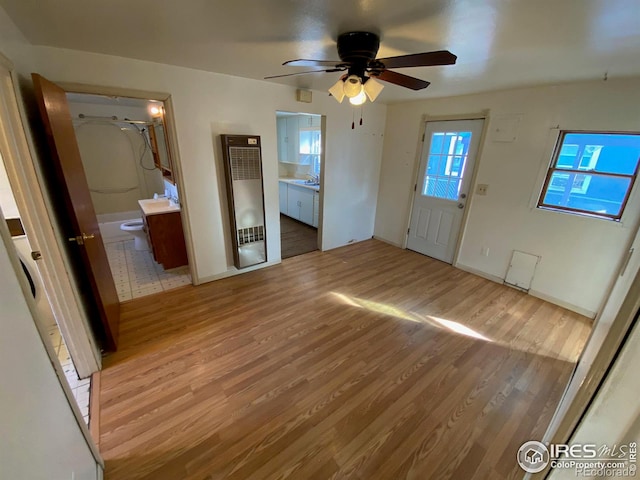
(445, 168)
(309, 148)
(591, 173)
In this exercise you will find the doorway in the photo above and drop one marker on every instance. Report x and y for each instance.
(442, 189)
(300, 140)
(127, 159)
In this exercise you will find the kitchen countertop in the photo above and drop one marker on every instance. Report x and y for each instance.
(157, 206)
(300, 183)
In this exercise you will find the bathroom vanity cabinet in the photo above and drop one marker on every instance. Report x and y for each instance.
(166, 239)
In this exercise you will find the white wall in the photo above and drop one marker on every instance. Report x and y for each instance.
(207, 105)
(7, 200)
(580, 256)
(40, 439)
(115, 156)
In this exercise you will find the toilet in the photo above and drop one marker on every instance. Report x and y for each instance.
(136, 228)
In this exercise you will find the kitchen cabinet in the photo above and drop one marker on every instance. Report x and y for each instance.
(282, 191)
(288, 130)
(306, 121)
(300, 203)
(166, 239)
(281, 127)
(293, 132)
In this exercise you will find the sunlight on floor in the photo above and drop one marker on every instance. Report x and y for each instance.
(518, 340)
(392, 311)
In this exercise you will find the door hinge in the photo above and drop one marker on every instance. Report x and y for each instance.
(408, 230)
(422, 137)
(415, 187)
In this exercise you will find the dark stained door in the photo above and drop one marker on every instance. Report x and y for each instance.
(72, 184)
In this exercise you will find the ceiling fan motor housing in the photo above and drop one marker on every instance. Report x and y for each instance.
(358, 49)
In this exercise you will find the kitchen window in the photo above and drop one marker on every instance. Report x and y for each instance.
(309, 147)
(592, 173)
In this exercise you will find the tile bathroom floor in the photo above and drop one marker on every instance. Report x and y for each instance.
(80, 388)
(136, 274)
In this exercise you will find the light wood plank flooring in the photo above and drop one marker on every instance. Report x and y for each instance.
(365, 362)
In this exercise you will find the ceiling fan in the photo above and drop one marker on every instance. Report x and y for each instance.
(357, 52)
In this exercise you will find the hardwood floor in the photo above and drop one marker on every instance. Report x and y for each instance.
(296, 237)
(365, 362)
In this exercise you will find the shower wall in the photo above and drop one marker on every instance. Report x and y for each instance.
(117, 160)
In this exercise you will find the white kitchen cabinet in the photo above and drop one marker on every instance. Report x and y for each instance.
(306, 121)
(293, 134)
(316, 209)
(300, 203)
(283, 190)
(283, 152)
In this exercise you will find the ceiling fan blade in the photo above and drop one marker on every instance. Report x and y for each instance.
(426, 59)
(400, 79)
(304, 73)
(313, 63)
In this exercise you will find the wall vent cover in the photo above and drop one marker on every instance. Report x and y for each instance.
(245, 163)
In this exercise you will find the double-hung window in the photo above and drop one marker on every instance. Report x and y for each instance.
(592, 173)
(309, 148)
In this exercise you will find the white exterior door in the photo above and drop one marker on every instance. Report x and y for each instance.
(444, 178)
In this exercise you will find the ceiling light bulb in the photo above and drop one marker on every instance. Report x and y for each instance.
(358, 99)
(337, 91)
(155, 110)
(372, 88)
(352, 86)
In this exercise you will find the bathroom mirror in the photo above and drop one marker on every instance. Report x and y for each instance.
(160, 148)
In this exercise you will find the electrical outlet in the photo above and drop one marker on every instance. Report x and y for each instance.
(482, 188)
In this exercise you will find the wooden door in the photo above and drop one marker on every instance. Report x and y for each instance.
(446, 167)
(72, 184)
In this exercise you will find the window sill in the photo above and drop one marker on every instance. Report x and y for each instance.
(579, 217)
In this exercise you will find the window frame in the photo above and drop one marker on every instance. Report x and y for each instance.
(553, 169)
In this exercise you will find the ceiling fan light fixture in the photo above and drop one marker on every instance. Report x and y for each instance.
(372, 88)
(337, 91)
(352, 86)
(358, 99)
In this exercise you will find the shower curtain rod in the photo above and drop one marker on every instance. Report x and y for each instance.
(113, 118)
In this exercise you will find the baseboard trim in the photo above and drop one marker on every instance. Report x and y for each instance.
(94, 408)
(533, 293)
(384, 240)
(234, 271)
(480, 273)
(569, 306)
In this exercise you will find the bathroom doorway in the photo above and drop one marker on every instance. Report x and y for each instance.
(300, 154)
(129, 170)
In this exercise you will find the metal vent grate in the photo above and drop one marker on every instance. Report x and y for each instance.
(250, 235)
(245, 163)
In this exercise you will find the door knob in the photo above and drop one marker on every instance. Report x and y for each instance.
(80, 239)
(463, 195)
(461, 205)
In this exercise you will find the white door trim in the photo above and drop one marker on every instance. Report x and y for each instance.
(41, 231)
(484, 115)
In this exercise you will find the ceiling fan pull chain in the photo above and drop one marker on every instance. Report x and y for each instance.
(361, 116)
(353, 119)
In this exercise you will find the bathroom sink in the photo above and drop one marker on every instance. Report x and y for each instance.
(154, 206)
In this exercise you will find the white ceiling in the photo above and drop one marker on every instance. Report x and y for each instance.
(499, 43)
